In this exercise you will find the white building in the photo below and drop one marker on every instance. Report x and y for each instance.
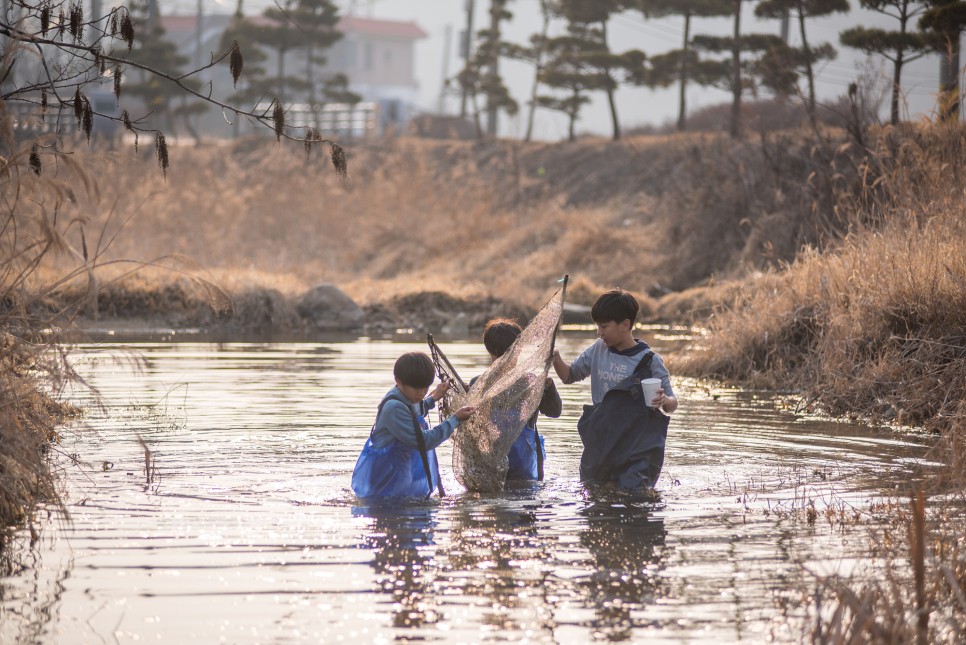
(377, 56)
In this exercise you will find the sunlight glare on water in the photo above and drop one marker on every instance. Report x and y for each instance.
(242, 528)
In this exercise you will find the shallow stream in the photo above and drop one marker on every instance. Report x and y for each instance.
(237, 524)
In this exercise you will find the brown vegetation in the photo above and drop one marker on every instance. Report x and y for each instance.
(32, 366)
(476, 220)
(875, 326)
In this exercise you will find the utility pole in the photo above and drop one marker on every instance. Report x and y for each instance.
(467, 49)
(95, 16)
(199, 27)
(441, 107)
(491, 112)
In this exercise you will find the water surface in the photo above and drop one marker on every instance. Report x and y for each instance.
(242, 529)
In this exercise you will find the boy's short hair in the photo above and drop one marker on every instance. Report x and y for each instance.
(414, 369)
(499, 334)
(616, 305)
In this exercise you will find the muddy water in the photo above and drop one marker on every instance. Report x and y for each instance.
(242, 529)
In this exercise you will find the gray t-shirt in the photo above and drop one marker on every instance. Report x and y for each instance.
(607, 367)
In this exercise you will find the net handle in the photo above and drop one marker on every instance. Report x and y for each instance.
(438, 358)
(563, 301)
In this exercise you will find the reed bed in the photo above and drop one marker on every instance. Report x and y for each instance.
(33, 366)
(874, 327)
(497, 220)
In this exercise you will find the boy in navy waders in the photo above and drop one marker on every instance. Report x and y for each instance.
(623, 435)
(528, 453)
(399, 458)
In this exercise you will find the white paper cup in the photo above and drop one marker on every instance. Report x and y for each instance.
(650, 387)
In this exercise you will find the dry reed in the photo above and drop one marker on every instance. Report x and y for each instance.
(875, 327)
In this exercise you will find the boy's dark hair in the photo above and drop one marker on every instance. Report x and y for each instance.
(499, 334)
(616, 306)
(414, 369)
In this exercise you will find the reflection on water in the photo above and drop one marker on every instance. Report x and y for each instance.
(626, 544)
(248, 533)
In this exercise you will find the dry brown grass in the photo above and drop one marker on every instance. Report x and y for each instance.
(33, 368)
(873, 326)
(876, 328)
(469, 220)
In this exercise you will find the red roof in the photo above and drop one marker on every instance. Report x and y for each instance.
(347, 25)
(373, 27)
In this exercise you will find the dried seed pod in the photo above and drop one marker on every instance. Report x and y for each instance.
(43, 100)
(78, 105)
(35, 159)
(126, 120)
(127, 30)
(88, 118)
(278, 117)
(77, 21)
(45, 18)
(235, 62)
(338, 160)
(161, 148)
(117, 82)
(311, 136)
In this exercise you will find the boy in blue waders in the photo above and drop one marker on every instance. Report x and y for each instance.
(528, 453)
(623, 435)
(399, 458)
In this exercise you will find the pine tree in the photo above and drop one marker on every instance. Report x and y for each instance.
(737, 73)
(603, 70)
(564, 72)
(283, 36)
(808, 54)
(312, 27)
(481, 77)
(900, 46)
(159, 96)
(682, 65)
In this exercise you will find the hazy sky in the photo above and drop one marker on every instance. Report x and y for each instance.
(636, 106)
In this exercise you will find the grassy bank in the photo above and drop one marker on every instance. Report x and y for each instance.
(473, 220)
(874, 326)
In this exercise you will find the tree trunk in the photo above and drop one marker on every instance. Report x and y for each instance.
(610, 90)
(491, 111)
(735, 130)
(896, 86)
(573, 118)
(809, 71)
(682, 98)
(281, 74)
(539, 67)
(310, 74)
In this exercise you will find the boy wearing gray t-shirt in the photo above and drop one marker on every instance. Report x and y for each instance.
(623, 435)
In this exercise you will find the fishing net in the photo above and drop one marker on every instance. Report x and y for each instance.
(505, 396)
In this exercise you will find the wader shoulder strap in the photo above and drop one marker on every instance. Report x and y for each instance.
(536, 439)
(645, 363)
(644, 366)
(421, 442)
